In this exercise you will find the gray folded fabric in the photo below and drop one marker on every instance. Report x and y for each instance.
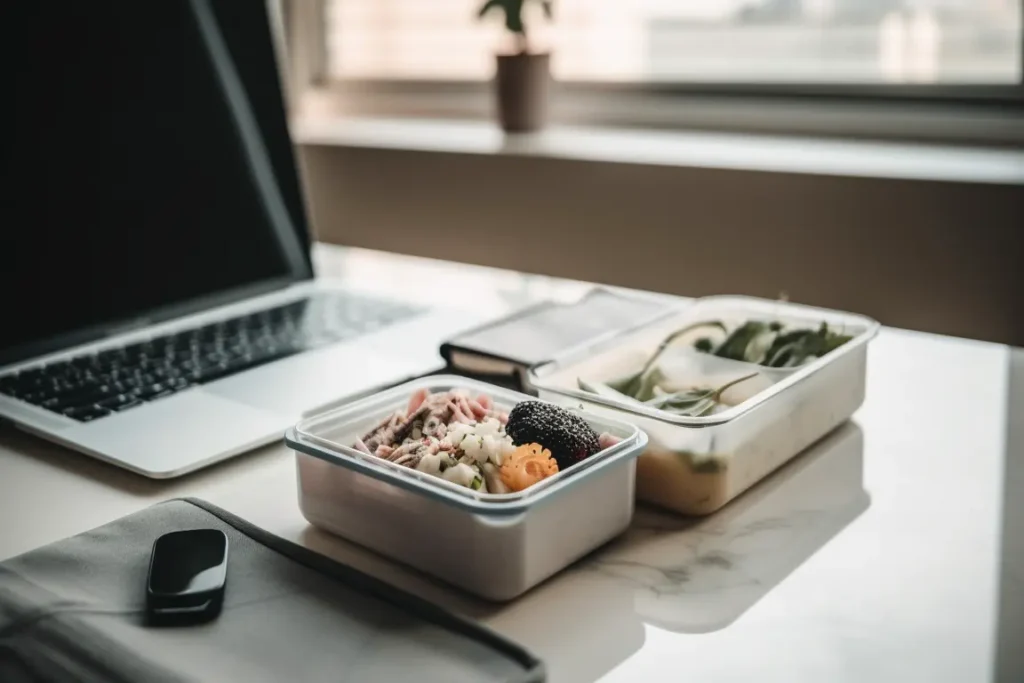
(72, 611)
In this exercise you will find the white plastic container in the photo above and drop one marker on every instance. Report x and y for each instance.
(695, 465)
(496, 546)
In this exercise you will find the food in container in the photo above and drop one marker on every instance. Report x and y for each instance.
(728, 389)
(467, 440)
(665, 385)
(488, 489)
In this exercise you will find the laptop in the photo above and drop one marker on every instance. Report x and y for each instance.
(160, 310)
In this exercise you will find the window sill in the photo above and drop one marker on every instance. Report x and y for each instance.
(749, 152)
(931, 242)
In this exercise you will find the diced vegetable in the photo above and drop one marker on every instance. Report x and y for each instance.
(462, 474)
(468, 441)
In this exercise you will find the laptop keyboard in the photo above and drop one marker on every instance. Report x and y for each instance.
(91, 386)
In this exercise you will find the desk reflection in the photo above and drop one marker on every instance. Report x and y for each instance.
(696, 576)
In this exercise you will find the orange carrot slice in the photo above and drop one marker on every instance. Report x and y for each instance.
(527, 465)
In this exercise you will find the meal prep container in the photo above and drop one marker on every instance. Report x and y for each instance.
(496, 546)
(695, 465)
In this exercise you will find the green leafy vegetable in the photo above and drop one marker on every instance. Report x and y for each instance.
(768, 344)
(649, 382)
(792, 349)
(633, 385)
(735, 345)
(601, 389)
(763, 343)
(704, 344)
(694, 402)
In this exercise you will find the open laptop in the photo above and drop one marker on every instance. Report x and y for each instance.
(159, 309)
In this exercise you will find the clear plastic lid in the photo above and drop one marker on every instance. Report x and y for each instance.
(330, 436)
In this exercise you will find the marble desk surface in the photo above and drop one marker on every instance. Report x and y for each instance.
(891, 551)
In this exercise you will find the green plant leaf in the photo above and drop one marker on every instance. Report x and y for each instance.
(513, 13)
(634, 385)
(681, 400)
(783, 347)
(735, 345)
(759, 345)
(621, 384)
(514, 16)
(601, 389)
(667, 341)
(766, 344)
(704, 345)
(648, 381)
(491, 5)
(781, 355)
(695, 402)
(513, 10)
(835, 341)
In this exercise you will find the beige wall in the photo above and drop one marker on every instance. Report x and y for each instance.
(934, 256)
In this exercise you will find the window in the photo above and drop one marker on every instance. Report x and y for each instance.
(836, 42)
(929, 70)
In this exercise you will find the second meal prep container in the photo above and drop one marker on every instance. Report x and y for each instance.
(496, 546)
(695, 465)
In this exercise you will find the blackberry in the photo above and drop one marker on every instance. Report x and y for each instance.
(569, 438)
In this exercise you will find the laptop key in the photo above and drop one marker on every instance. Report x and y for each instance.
(83, 398)
(113, 402)
(151, 390)
(134, 403)
(86, 413)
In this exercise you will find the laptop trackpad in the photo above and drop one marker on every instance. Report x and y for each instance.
(314, 380)
(178, 434)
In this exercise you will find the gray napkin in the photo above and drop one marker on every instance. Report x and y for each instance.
(71, 611)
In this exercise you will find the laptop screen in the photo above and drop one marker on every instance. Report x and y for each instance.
(146, 169)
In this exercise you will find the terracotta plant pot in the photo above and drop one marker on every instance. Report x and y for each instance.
(522, 84)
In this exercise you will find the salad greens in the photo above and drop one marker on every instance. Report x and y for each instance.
(636, 385)
(693, 402)
(766, 344)
(771, 345)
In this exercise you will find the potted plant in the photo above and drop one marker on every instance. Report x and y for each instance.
(523, 77)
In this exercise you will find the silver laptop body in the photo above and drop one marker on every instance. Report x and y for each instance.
(161, 311)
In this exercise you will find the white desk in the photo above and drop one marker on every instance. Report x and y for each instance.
(888, 553)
